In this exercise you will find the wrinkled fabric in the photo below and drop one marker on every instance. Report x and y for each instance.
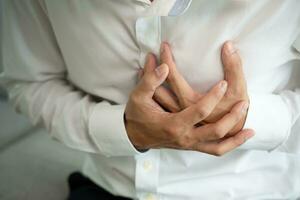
(71, 65)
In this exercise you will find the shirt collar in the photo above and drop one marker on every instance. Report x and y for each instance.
(179, 7)
(166, 7)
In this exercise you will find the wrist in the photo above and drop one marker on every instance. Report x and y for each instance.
(133, 136)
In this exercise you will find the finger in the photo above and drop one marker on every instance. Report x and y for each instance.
(153, 77)
(219, 148)
(163, 96)
(166, 99)
(222, 127)
(178, 84)
(233, 68)
(203, 108)
(150, 64)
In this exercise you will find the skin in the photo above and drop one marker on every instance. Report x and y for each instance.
(186, 96)
(149, 125)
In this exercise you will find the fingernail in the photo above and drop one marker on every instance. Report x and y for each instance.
(245, 107)
(160, 70)
(230, 48)
(223, 86)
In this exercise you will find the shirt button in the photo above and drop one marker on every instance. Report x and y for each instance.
(148, 165)
(150, 197)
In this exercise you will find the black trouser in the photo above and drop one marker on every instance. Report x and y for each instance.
(82, 188)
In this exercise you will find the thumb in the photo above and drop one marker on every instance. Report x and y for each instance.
(152, 79)
(233, 67)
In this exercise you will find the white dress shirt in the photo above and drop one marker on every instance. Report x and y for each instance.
(71, 65)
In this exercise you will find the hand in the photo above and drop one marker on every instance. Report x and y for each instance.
(186, 96)
(149, 126)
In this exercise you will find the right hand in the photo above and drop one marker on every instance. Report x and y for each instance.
(149, 126)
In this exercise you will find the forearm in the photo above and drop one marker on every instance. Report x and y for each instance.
(35, 77)
(273, 117)
(72, 116)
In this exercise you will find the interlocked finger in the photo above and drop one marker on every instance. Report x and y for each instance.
(166, 99)
(163, 96)
(222, 127)
(203, 108)
(178, 84)
(219, 148)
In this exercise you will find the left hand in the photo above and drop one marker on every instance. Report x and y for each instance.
(186, 96)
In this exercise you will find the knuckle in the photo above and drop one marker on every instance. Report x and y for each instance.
(181, 143)
(148, 85)
(185, 142)
(202, 111)
(219, 131)
(135, 98)
(169, 130)
(175, 129)
(180, 126)
(172, 130)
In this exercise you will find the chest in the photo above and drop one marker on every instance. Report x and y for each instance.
(108, 40)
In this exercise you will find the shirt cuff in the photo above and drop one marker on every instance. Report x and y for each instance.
(269, 117)
(107, 128)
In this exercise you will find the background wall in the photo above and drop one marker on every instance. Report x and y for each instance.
(0, 35)
(32, 165)
(1, 63)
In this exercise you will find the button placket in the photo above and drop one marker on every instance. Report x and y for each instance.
(148, 33)
(147, 171)
(150, 196)
(148, 165)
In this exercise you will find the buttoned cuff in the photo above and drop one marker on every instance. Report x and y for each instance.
(269, 117)
(107, 128)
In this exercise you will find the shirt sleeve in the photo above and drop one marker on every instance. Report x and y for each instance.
(35, 78)
(276, 117)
